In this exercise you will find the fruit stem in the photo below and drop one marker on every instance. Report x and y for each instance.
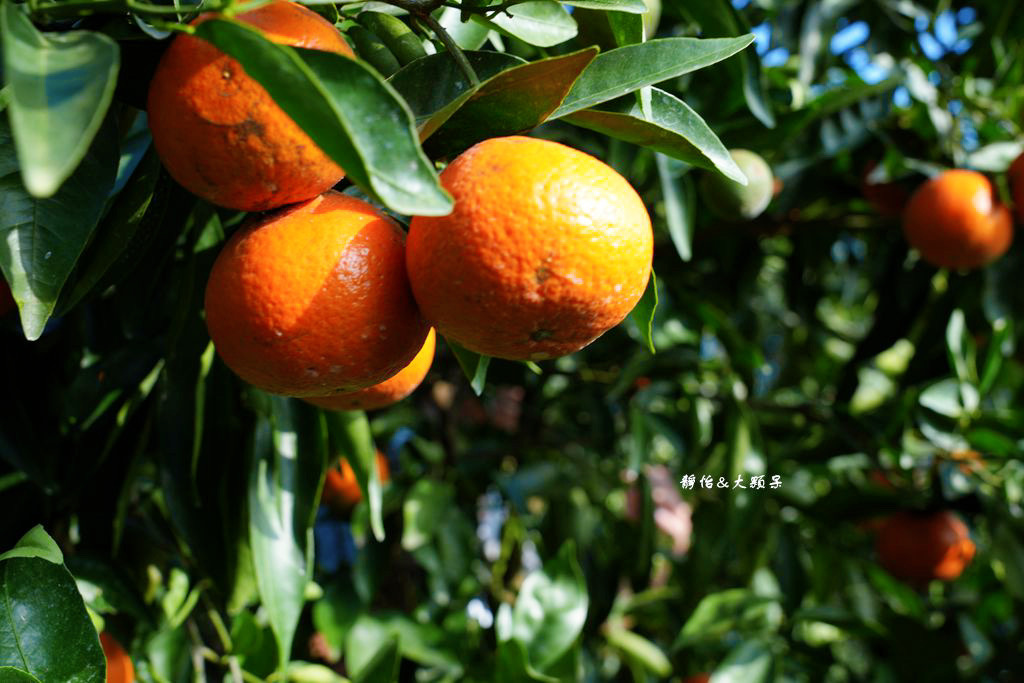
(453, 49)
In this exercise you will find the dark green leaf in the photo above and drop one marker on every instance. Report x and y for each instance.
(671, 127)
(344, 106)
(449, 88)
(643, 312)
(473, 365)
(43, 238)
(59, 88)
(289, 457)
(749, 662)
(640, 649)
(45, 629)
(423, 511)
(621, 71)
(383, 668)
(515, 100)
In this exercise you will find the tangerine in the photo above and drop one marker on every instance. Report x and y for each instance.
(341, 488)
(956, 221)
(390, 390)
(313, 299)
(921, 547)
(119, 664)
(221, 135)
(547, 248)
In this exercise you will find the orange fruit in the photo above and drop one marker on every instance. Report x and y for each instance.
(698, 678)
(119, 664)
(546, 249)
(956, 221)
(390, 390)
(921, 547)
(341, 488)
(219, 133)
(313, 299)
(1016, 175)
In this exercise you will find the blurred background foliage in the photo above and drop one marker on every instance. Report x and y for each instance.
(539, 531)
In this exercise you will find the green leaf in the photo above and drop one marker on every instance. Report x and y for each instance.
(513, 666)
(423, 511)
(515, 100)
(289, 458)
(749, 662)
(672, 128)
(638, 648)
(543, 23)
(468, 35)
(45, 629)
(643, 312)
(11, 675)
(720, 18)
(473, 365)
(631, 6)
(306, 672)
(627, 29)
(718, 613)
(551, 608)
(356, 118)
(680, 206)
(449, 88)
(618, 72)
(59, 87)
(116, 231)
(943, 397)
(36, 543)
(43, 238)
(383, 667)
(960, 347)
(351, 437)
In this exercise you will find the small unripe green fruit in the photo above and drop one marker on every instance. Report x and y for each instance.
(729, 200)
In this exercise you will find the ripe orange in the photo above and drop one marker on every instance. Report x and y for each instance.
(956, 221)
(698, 678)
(547, 249)
(119, 664)
(220, 134)
(341, 489)
(1016, 175)
(921, 547)
(390, 390)
(313, 299)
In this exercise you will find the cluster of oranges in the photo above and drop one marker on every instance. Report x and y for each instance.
(324, 298)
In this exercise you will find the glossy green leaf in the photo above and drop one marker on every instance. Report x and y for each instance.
(621, 71)
(289, 458)
(515, 100)
(449, 88)
(344, 106)
(473, 365)
(643, 312)
(543, 23)
(718, 613)
(351, 438)
(513, 665)
(627, 29)
(43, 238)
(45, 629)
(680, 197)
(631, 6)
(551, 608)
(672, 128)
(36, 543)
(59, 87)
(9, 674)
(468, 35)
